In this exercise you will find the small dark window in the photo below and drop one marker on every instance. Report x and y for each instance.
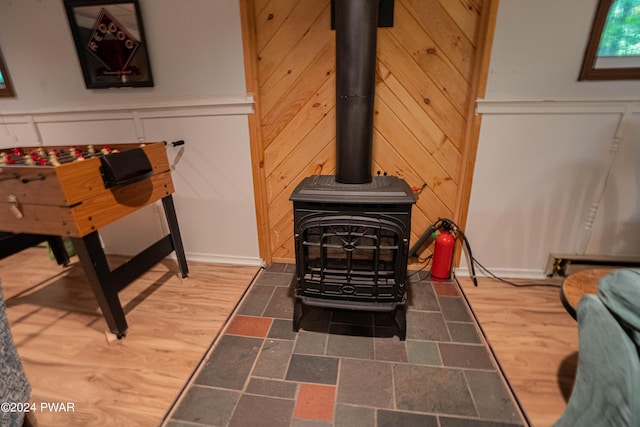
(613, 52)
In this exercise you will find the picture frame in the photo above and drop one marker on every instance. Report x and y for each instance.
(6, 87)
(110, 43)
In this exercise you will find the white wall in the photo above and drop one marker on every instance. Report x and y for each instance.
(195, 48)
(545, 145)
(199, 95)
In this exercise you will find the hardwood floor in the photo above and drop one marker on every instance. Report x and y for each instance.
(68, 356)
(534, 339)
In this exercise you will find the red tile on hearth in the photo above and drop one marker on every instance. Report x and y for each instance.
(445, 289)
(249, 326)
(315, 402)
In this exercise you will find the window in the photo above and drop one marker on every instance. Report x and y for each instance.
(5, 84)
(613, 52)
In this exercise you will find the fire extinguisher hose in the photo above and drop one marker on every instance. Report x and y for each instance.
(466, 246)
(425, 240)
(467, 251)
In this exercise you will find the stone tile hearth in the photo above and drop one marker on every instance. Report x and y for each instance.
(348, 368)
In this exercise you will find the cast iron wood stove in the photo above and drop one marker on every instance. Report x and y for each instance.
(352, 244)
(352, 230)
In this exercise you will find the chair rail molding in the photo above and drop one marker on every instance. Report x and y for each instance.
(232, 105)
(533, 106)
(162, 108)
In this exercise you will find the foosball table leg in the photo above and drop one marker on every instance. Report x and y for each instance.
(174, 230)
(94, 262)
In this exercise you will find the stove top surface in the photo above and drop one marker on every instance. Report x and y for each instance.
(325, 189)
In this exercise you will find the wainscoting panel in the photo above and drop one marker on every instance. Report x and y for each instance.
(211, 172)
(554, 177)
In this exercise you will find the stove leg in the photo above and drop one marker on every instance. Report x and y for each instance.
(401, 321)
(297, 315)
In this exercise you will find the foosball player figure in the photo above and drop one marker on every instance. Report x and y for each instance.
(53, 160)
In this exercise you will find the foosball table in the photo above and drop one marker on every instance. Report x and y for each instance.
(74, 191)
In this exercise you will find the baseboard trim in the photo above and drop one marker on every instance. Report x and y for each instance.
(210, 258)
(223, 259)
(505, 273)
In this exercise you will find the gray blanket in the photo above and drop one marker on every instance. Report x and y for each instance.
(606, 391)
(14, 387)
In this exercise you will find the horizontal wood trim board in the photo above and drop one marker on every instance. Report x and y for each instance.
(489, 106)
(196, 107)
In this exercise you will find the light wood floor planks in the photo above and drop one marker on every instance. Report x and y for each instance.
(60, 334)
(534, 339)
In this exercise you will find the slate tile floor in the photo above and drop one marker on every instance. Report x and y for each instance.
(347, 368)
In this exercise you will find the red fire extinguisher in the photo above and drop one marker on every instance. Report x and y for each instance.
(442, 256)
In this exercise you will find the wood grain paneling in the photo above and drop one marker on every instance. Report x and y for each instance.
(426, 73)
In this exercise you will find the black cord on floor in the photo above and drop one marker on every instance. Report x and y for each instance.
(507, 282)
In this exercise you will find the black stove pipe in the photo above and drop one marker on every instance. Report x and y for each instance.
(356, 23)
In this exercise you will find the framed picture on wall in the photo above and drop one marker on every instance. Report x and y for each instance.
(110, 42)
(6, 90)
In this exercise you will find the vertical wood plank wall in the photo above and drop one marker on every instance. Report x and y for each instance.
(426, 82)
